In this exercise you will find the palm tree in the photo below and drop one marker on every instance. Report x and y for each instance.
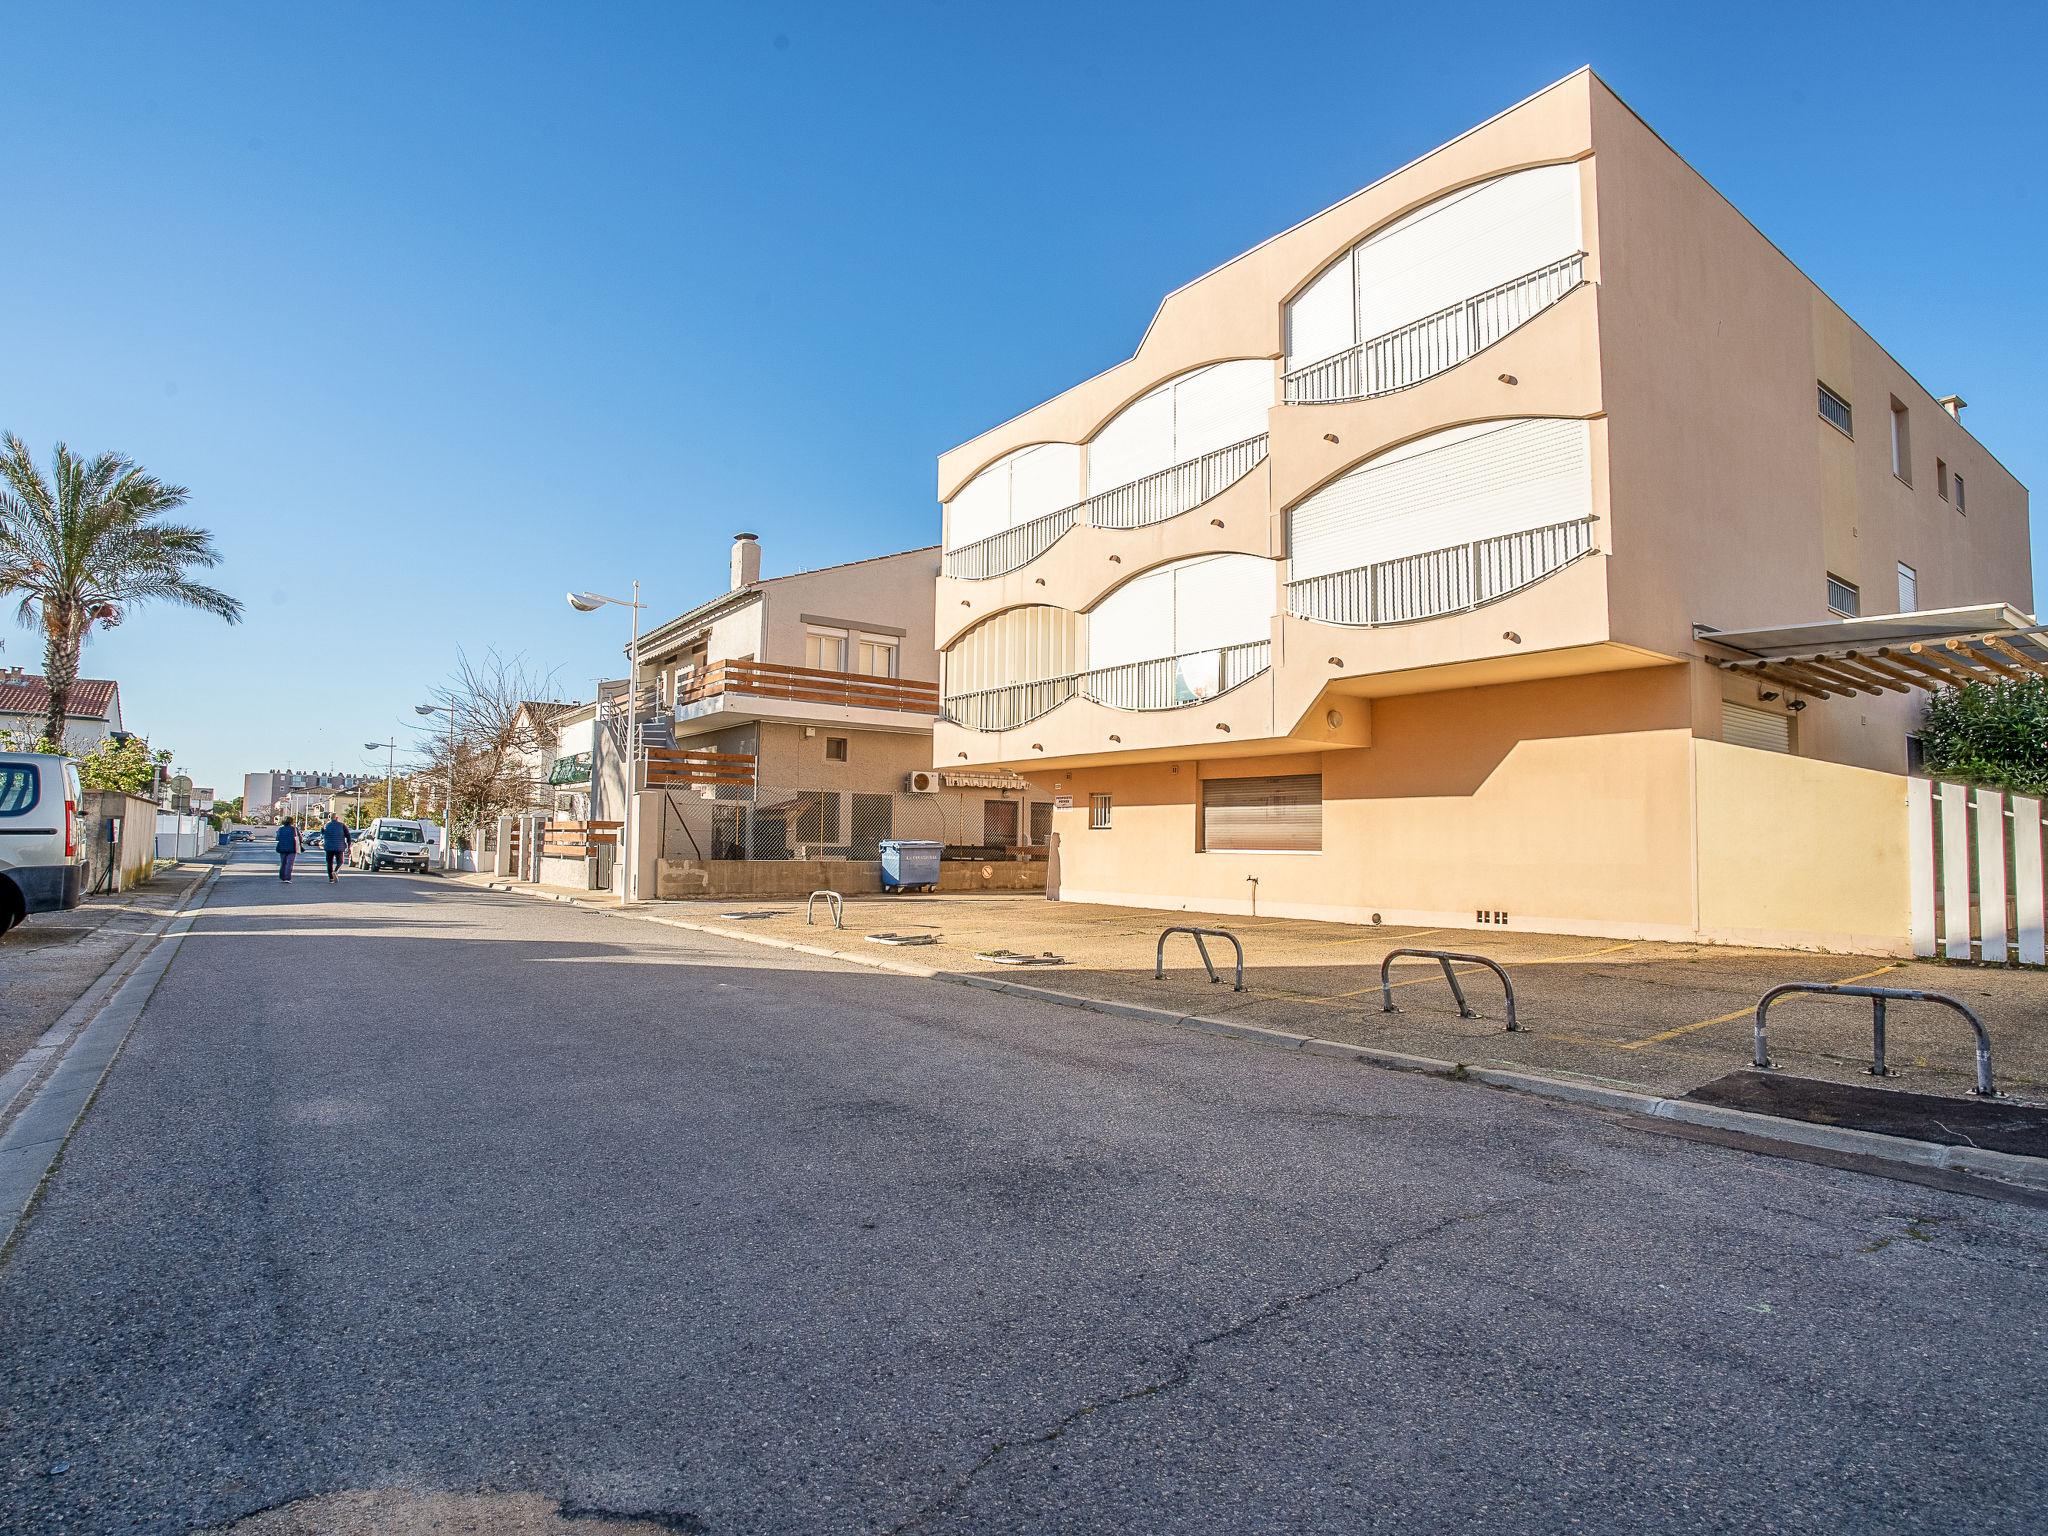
(88, 544)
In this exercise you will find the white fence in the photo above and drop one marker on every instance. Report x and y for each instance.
(1976, 874)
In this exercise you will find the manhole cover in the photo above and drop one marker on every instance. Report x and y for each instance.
(1012, 957)
(746, 917)
(903, 938)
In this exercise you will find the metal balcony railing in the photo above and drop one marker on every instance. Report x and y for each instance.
(1440, 581)
(1152, 499)
(1167, 682)
(1173, 491)
(1003, 552)
(1435, 343)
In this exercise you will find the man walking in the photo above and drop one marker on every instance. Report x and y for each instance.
(287, 849)
(336, 837)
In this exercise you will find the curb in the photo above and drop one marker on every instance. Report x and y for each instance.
(37, 1136)
(2006, 1167)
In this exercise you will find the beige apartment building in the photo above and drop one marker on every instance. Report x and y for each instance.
(787, 723)
(1513, 543)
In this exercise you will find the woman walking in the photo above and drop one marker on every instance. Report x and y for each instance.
(287, 849)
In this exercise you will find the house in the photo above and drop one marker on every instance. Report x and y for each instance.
(789, 720)
(1522, 541)
(535, 740)
(93, 710)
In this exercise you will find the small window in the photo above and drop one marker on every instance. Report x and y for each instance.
(1902, 443)
(20, 788)
(1843, 598)
(1041, 823)
(1767, 730)
(1941, 478)
(1275, 813)
(1909, 589)
(1098, 812)
(1834, 410)
(825, 650)
(835, 749)
(1959, 497)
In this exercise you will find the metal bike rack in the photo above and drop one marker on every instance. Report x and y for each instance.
(1198, 935)
(1444, 957)
(1879, 996)
(833, 900)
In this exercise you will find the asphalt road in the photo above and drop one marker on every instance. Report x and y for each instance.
(400, 1185)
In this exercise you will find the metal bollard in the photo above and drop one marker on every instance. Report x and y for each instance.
(833, 900)
(1444, 957)
(1760, 1053)
(1197, 934)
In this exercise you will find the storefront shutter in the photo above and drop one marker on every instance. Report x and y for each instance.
(1768, 729)
(1277, 813)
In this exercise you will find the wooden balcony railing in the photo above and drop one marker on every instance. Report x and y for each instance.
(578, 839)
(808, 685)
(674, 767)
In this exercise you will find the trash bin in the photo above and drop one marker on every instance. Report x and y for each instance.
(908, 864)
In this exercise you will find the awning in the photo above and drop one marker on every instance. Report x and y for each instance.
(996, 778)
(1889, 653)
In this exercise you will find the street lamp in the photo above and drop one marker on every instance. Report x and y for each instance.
(390, 765)
(590, 602)
(448, 813)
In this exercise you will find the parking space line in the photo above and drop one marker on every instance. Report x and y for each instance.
(1462, 970)
(1729, 1018)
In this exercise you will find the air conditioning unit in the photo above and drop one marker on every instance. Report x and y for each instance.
(922, 781)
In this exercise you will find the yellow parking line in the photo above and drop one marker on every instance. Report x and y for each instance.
(1728, 1018)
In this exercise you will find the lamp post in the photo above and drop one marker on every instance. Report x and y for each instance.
(390, 764)
(590, 602)
(448, 813)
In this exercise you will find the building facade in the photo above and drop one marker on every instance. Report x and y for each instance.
(1383, 581)
(92, 714)
(279, 792)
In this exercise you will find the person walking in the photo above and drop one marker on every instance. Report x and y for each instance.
(335, 837)
(287, 849)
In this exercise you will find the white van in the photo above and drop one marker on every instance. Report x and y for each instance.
(388, 843)
(42, 851)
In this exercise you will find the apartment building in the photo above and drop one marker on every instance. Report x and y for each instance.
(278, 792)
(789, 720)
(1524, 540)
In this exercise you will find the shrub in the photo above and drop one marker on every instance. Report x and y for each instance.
(1993, 734)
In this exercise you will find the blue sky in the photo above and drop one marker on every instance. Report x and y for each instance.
(441, 308)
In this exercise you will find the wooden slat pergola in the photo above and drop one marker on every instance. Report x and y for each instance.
(1890, 653)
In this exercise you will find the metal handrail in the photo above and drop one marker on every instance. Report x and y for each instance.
(1444, 957)
(1160, 683)
(1437, 582)
(1198, 934)
(1001, 553)
(1176, 489)
(1436, 343)
(1879, 996)
(834, 902)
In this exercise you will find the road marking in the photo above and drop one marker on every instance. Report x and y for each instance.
(1728, 1018)
(1462, 970)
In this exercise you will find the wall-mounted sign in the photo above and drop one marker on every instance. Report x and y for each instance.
(1063, 802)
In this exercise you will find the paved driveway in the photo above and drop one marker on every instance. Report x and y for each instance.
(401, 1185)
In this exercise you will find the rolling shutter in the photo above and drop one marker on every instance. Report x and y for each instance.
(1277, 813)
(980, 508)
(1137, 441)
(1133, 623)
(1043, 479)
(1766, 729)
(1320, 322)
(1193, 605)
(1218, 406)
(1450, 488)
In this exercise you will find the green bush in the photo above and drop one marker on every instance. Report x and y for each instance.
(1993, 734)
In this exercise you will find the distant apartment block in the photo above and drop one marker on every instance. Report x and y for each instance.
(286, 791)
(1512, 542)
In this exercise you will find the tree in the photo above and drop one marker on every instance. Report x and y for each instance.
(86, 545)
(1993, 734)
(500, 755)
(128, 766)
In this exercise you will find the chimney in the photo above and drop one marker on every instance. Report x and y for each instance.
(746, 560)
(1953, 404)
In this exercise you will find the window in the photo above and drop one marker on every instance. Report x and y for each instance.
(1834, 410)
(1909, 589)
(814, 818)
(1959, 496)
(20, 788)
(1941, 478)
(835, 749)
(1902, 443)
(1275, 813)
(1843, 598)
(874, 656)
(1765, 729)
(1098, 812)
(998, 823)
(825, 649)
(1041, 823)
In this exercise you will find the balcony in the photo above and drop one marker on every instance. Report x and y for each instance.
(1441, 581)
(708, 688)
(1138, 504)
(1434, 344)
(1166, 682)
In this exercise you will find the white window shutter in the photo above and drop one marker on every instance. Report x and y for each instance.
(1320, 321)
(1218, 406)
(1221, 600)
(1137, 441)
(1045, 478)
(1133, 623)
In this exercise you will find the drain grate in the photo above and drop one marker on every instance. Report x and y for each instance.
(746, 917)
(1012, 957)
(903, 938)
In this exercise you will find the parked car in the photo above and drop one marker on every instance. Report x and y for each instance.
(388, 843)
(42, 848)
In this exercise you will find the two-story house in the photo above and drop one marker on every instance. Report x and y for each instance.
(1497, 546)
(92, 714)
(789, 719)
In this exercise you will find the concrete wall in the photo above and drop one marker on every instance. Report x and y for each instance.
(682, 879)
(135, 858)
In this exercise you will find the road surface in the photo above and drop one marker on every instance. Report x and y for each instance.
(402, 1190)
